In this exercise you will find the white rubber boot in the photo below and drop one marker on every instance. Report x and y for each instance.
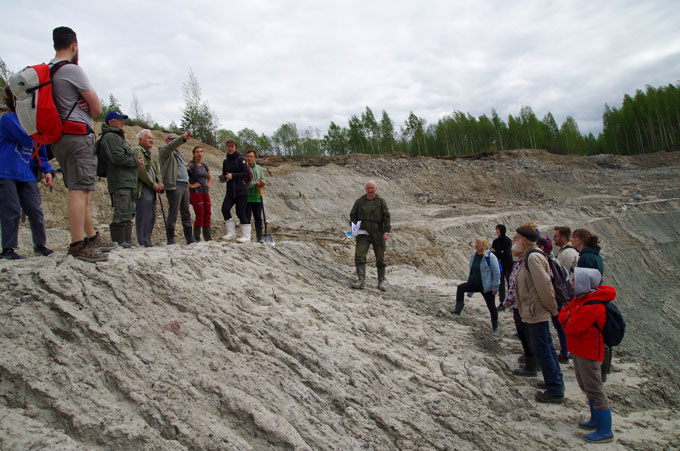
(245, 234)
(231, 229)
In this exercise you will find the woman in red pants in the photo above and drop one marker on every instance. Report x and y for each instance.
(199, 192)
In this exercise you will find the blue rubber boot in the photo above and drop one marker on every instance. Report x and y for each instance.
(603, 434)
(590, 424)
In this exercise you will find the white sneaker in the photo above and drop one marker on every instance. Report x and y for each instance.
(231, 229)
(245, 234)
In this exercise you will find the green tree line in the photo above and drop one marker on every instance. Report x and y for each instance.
(649, 121)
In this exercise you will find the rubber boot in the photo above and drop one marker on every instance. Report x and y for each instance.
(197, 234)
(118, 234)
(171, 234)
(188, 234)
(494, 328)
(360, 283)
(603, 423)
(381, 278)
(207, 234)
(128, 235)
(530, 369)
(231, 229)
(245, 234)
(458, 308)
(590, 424)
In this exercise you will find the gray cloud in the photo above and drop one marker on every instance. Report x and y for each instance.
(264, 63)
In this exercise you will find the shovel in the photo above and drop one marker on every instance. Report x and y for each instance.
(266, 238)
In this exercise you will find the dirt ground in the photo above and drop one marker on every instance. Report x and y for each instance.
(225, 346)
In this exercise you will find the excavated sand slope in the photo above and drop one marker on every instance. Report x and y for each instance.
(225, 346)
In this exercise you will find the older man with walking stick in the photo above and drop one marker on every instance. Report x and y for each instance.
(149, 184)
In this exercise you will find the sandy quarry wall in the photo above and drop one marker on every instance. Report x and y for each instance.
(226, 346)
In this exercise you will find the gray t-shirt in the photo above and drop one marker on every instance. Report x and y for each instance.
(67, 84)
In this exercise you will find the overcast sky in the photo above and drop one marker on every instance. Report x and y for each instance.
(262, 63)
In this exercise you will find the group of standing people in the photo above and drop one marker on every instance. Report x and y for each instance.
(135, 180)
(525, 267)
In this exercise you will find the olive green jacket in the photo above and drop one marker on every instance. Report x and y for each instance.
(144, 172)
(121, 167)
(168, 162)
(373, 214)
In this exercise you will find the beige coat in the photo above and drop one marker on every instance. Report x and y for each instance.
(535, 294)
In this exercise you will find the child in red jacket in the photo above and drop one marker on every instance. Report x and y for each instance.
(582, 324)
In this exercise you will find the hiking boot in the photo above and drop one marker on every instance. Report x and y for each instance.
(9, 254)
(500, 307)
(547, 397)
(564, 359)
(42, 250)
(82, 250)
(99, 244)
(360, 283)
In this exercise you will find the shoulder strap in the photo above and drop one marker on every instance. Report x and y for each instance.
(532, 251)
(53, 70)
(597, 303)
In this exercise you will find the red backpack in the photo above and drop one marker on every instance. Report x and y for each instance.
(36, 111)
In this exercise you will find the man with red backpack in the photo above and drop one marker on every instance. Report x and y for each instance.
(77, 102)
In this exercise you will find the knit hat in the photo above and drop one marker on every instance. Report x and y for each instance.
(528, 233)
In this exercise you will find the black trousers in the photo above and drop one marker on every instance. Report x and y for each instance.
(255, 209)
(489, 298)
(505, 281)
(241, 203)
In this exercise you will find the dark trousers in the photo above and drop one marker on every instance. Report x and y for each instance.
(542, 345)
(178, 202)
(15, 196)
(202, 208)
(145, 219)
(489, 298)
(255, 209)
(361, 249)
(505, 281)
(522, 333)
(560, 335)
(241, 203)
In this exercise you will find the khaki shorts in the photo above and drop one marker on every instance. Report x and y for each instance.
(75, 154)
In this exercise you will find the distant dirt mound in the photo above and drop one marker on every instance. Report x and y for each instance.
(225, 346)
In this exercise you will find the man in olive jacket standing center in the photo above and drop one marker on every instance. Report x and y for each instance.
(374, 215)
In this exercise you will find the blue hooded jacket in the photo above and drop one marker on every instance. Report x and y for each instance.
(16, 150)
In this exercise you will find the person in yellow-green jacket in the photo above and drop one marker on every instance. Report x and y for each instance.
(254, 207)
(374, 215)
(149, 183)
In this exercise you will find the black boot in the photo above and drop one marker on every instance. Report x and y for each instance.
(458, 308)
(170, 232)
(118, 234)
(207, 234)
(129, 241)
(530, 369)
(188, 234)
(197, 234)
